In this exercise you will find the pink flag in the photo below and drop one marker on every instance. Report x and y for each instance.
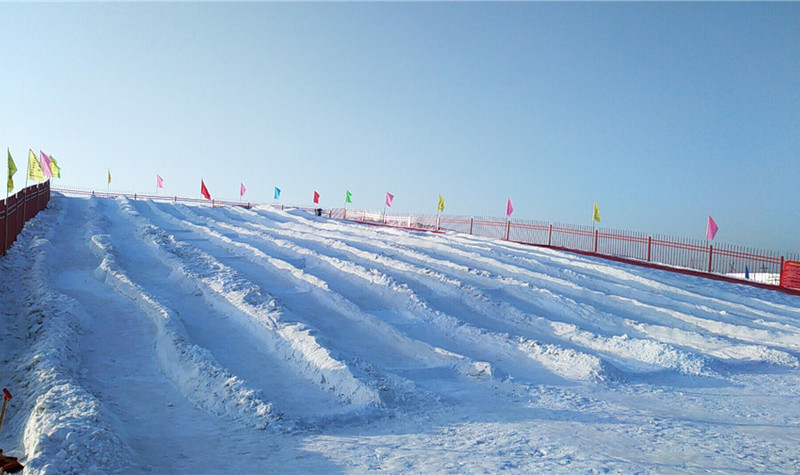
(316, 197)
(509, 208)
(242, 189)
(389, 198)
(204, 190)
(159, 181)
(711, 229)
(44, 161)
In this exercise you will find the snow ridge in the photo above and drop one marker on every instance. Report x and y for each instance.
(292, 341)
(68, 430)
(564, 362)
(191, 368)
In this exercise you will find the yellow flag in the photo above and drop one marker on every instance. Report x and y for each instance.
(109, 176)
(596, 214)
(441, 203)
(34, 168)
(12, 168)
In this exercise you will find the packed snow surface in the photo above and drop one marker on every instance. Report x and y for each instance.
(157, 337)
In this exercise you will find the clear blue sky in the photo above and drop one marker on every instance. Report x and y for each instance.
(663, 113)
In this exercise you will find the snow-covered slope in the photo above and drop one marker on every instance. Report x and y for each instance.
(186, 339)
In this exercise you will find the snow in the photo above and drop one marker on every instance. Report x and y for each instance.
(168, 338)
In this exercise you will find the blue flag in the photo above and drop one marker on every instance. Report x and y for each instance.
(277, 193)
(746, 273)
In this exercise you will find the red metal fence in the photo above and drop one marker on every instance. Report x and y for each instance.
(18, 209)
(727, 260)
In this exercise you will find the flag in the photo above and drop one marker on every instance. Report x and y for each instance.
(12, 168)
(596, 214)
(711, 229)
(348, 197)
(316, 197)
(389, 198)
(242, 189)
(746, 272)
(44, 161)
(34, 168)
(277, 193)
(54, 167)
(109, 176)
(159, 181)
(509, 208)
(441, 203)
(6, 394)
(204, 190)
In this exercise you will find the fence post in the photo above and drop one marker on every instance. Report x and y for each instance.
(5, 227)
(780, 274)
(710, 252)
(596, 232)
(470, 225)
(549, 235)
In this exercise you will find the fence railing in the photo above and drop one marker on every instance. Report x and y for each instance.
(727, 260)
(18, 209)
(140, 196)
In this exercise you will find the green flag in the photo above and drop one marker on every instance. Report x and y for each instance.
(441, 203)
(54, 168)
(348, 197)
(12, 168)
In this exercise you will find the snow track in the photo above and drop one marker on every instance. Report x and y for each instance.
(156, 331)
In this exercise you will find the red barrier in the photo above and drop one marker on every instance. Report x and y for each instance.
(18, 209)
(725, 261)
(790, 275)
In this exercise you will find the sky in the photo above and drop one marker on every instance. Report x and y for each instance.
(663, 113)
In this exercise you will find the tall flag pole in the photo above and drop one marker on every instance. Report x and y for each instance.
(388, 202)
(35, 172)
(204, 190)
(348, 198)
(54, 167)
(12, 168)
(439, 209)
(711, 228)
(595, 215)
(44, 162)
